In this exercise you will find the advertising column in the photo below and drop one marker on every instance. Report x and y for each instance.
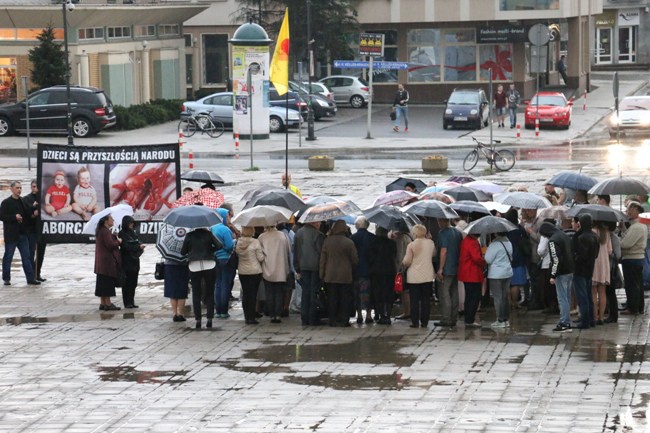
(251, 65)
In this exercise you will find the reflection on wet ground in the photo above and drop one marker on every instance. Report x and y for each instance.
(130, 374)
(68, 318)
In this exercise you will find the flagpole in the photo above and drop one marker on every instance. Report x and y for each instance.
(286, 136)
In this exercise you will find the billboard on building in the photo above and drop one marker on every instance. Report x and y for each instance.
(77, 182)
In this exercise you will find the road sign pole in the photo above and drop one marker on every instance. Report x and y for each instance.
(615, 86)
(370, 92)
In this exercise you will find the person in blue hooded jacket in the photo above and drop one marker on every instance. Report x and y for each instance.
(222, 289)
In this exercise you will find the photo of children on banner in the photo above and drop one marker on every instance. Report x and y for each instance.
(80, 204)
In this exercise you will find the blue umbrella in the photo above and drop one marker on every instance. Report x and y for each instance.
(572, 180)
(192, 217)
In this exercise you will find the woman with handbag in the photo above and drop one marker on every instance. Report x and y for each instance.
(131, 249)
(470, 271)
(419, 275)
(107, 263)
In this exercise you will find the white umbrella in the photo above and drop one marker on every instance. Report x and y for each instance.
(499, 207)
(263, 215)
(490, 224)
(523, 200)
(485, 186)
(117, 212)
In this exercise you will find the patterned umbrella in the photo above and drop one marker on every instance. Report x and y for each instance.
(394, 197)
(206, 196)
(447, 199)
(170, 241)
(461, 179)
(328, 211)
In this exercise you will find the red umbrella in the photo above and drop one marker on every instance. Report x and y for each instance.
(206, 196)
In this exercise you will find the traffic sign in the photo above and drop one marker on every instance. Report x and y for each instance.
(539, 34)
(355, 64)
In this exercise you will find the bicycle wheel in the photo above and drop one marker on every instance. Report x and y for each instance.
(470, 160)
(215, 129)
(188, 128)
(504, 160)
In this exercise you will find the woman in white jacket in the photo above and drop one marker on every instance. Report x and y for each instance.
(251, 258)
(498, 257)
(275, 269)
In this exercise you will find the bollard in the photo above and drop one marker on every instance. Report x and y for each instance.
(584, 105)
(518, 131)
(236, 145)
(180, 139)
(191, 158)
(537, 127)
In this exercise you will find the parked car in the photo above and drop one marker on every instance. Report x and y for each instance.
(91, 110)
(320, 89)
(466, 107)
(322, 107)
(220, 105)
(554, 110)
(348, 89)
(294, 100)
(633, 115)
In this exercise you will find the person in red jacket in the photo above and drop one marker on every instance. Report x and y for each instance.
(470, 271)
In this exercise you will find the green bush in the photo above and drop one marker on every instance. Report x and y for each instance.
(151, 113)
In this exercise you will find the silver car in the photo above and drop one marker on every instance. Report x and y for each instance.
(220, 105)
(348, 89)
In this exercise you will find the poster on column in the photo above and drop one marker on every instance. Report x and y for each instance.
(257, 59)
(78, 182)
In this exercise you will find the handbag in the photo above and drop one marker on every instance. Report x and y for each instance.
(393, 115)
(159, 273)
(398, 287)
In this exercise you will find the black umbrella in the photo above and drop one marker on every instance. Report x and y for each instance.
(468, 206)
(401, 182)
(598, 212)
(257, 191)
(283, 198)
(490, 224)
(465, 193)
(192, 217)
(572, 180)
(620, 185)
(390, 218)
(202, 176)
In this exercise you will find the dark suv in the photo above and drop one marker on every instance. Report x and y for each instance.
(91, 111)
(466, 107)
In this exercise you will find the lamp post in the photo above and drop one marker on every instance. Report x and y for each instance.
(67, 5)
(310, 108)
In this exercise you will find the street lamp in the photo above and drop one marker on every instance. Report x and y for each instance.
(67, 6)
(310, 53)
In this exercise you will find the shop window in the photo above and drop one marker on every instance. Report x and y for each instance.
(460, 36)
(424, 55)
(460, 63)
(215, 58)
(527, 5)
(497, 58)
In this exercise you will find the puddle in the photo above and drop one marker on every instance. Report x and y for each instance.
(379, 382)
(130, 374)
(609, 352)
(66, 318)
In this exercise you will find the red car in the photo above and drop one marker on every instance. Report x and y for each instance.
(554, 110)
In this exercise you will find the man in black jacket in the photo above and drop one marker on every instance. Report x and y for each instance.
(13, 214)
(306, 260)
(585, 252)
(34, 228)
(561, 269)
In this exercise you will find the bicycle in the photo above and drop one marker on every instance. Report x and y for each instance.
(203, 122)
(503, 159)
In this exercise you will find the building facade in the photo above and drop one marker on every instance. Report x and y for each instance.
(134, 50)
(620, 34)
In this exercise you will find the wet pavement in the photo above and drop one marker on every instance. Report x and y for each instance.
(67, 367)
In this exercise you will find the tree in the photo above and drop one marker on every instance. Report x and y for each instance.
(332, 23)
(48, 60)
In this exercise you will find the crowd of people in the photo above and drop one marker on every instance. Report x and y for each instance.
(336, 273)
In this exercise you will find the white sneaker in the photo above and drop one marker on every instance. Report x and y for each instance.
(506, 324)
(498, 324)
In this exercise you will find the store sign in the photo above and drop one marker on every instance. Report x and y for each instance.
(606, 19)
(507, 34)
(628, 17)
(371, 44)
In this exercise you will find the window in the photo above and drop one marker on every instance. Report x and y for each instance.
(168, 30)
(91, 33)
(424, 55)
(119, 32)
(460, 55)
(527, 5)
(144, 31)
(188, 40)
(498, 58)
(215, 58)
